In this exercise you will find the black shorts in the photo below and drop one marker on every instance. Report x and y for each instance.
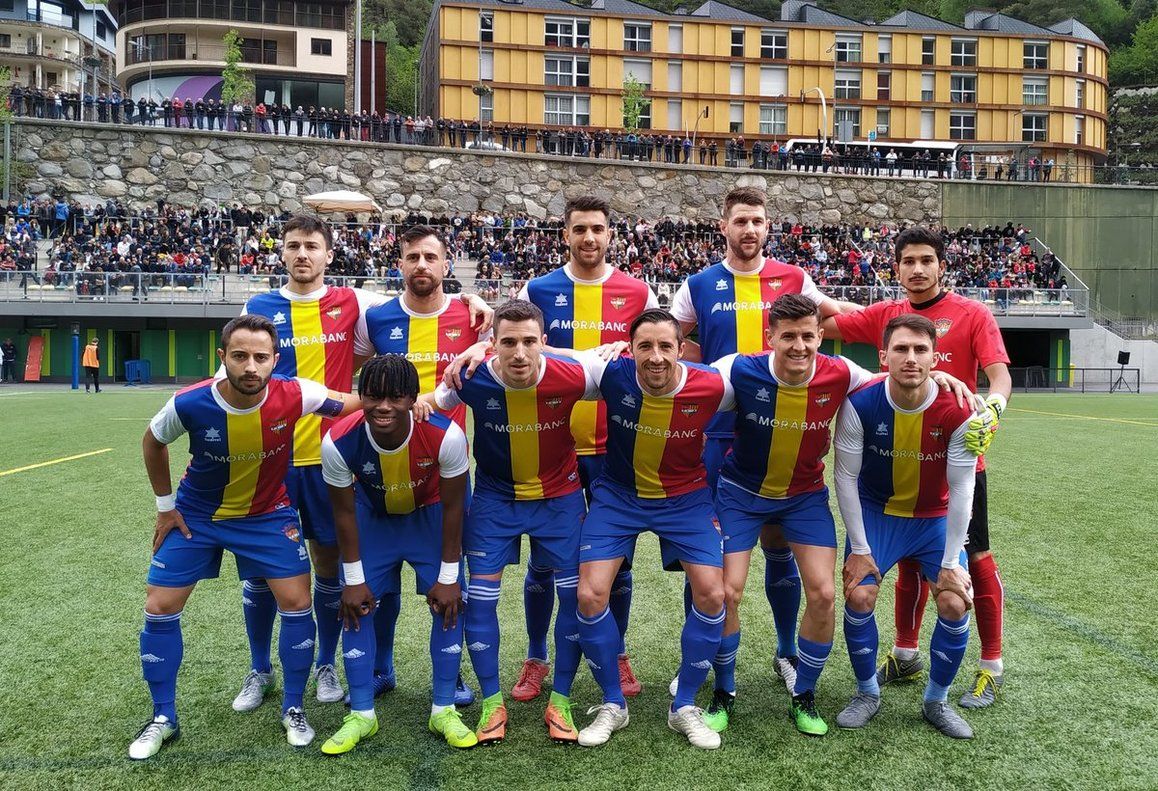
(978, 540)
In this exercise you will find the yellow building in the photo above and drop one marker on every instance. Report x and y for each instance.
(996, 84)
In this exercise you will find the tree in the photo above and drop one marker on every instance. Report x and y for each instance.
(236, 81)
(634, 102)
(1137, 64)
(401, 70)
(410, 18)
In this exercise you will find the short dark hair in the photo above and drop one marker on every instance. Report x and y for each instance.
(518, 310)
(913, 322)
(586, 203)
(792, 307)
(657, 316)
(388, 376)
(745, 196)
(254, 322)
(919, 234)
(417, 233)
(309, 224)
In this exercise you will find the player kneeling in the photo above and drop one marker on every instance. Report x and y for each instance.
(398, 489)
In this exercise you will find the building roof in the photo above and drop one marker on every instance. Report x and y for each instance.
(918, 21)
(1072, 27)
(988, 20)
(713, 9)
(801, 11)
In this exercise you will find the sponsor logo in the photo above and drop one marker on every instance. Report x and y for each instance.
(353, 653)
(212, 435)
(424, 462)
(618, 302)
(687, 410)
(553, 403)
(396, 334)
(279, 318)
(157, 563)
(822, 399)
(620, 591)
(246, 601)
(882, 429)
(574, 638)
(334, 312)
(944, 357)
(312, 340)
(474, 552)
(578, 324)
(334, 605)
(452, 649)
(655, 431)
(703, 664)
(763, 395)
(453, 334)
(733, 307)
(560, 300)
(721, 285)
(151, 659)
(594, 666)
(368, 468)
(944, 657)
(478, 645)
(534, 587)
(304, 645)
(893, 453)
(775, 283)
(788, 425)
(942, 326)
(784, 583)
(629, 400)
(863, 651)
(278, 427)
(493, 403)
(302, 554)
(520, 428)
(292, 532)
(585, 548)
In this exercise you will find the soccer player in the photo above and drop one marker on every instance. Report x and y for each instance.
(232, 496)
(430, 328)
(528, 483)
(316, 327)
(728, 302)
(585, 303)
(398, 488)
(967, 339)
(654, 479)
(904, 483)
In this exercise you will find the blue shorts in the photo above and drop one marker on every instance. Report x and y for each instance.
(894, 538)
(686, 525)
(268, 546)
(715, 449)
(386, 542)
(308, 493)
(494, 525)
(590, 468)
(803, 519)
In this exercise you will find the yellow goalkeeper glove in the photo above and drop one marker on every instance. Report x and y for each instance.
(984, 424)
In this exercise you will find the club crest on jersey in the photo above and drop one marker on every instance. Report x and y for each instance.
(334, 312)
(368, 468)
(212, 435)
(823, 399)
(424, 462)
(936, 432)
(629, 400)
(279, 318)
(942, 326)
(721, 285)
(560, 300)
(292, 532)
(453, 333)
(882, 429)
(278, 427)
(553, 403)
(776, 283)
(396, 334)
(618, 302)
(763, 395)
(687, 410)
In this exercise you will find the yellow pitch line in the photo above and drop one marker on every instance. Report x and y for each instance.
(54, 461)
(1086, 417)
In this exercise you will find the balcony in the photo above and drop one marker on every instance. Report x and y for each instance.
(330, 16)
(267, 52)
(32, 52)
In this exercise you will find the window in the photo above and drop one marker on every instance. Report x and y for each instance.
(884, 49)
(567, 70)
(1079, 129)
(846, 123)
(773, 81)
(773, 119)
(572, 33)
(486, 64)
(883, 118)
(736, 117)
(675, 76)
(323, 46)
(675, 39)
(737, 42)
(675, 114)
(928, 125)
(927, 83)
(963, 88)
(176, 46)
(50, 77)
(566, 109)
(102, 30)
(1033, 127)
(640, 69)
(644, 116)
(486, 107)
(847, 85)
(6, 40)
(736, 79)
(1081, 65)
(962, 126)
(774, 44)
(486, 26)
(884, 86)
(636, 37)
(1080, 93)
(1035, 90)
(963, 52)
(10, 5)
(1036, 55)
(928, 51)
(848, 48)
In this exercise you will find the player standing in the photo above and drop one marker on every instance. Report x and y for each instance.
(585, 303)
(231, 497)
(398, 488)
(967, 339)
(904, 483)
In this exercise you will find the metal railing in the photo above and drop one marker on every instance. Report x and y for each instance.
(1040, 379)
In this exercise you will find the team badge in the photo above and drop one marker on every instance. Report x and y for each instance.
(334, 312)
(424, 462)
(687, 410)
(618, 302)
(278, 427)
(776, 283)
(553, 403)
(453, 333)
(942, 326)
(936, 432)
(292, 532)
(823, 399)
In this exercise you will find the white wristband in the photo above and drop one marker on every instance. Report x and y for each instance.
(353, 573)
(166, 502)
(998, 400)
(448, 573)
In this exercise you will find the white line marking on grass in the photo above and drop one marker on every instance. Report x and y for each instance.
(54, 461)
(1088, 417)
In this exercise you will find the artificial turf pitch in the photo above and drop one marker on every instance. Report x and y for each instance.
(1073, 511)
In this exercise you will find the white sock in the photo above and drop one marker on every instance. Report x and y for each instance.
(367, 713)
(904, 654)
(994, 666)
(436, 710)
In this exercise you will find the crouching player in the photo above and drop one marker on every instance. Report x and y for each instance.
(233, 496)
(904, 483)
(398, 489)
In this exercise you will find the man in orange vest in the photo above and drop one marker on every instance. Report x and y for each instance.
(91, 360)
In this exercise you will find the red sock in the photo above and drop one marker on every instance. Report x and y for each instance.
(989, 602)
(909, 608)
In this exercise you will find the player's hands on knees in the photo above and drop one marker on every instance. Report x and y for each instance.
(856, 568)
(357, 602)
(167, 522)
(445, 600)
(955, 580)
(471, 359)
(611, 351)
(951, 384)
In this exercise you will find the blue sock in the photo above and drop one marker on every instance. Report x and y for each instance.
(860, 635)
(782, 587)
(724, 663)
(327, 599)
(567, 652)
(295, 649)
(538, 602)
(620, 604)
(259, 607)
(358, 656)
(600, 642)
(161, 650)
(812, 658)
(385, 622)
(699, 643)
(946, 650)
(445, 658)
(482, 633)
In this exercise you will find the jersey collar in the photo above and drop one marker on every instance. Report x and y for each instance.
(495, 374)
(406, 309)
(221, 402)
(671, 393)
(399, 449)
(929, 303)
(930, 397)
(780, 382)
(313, 296)
(576, 279)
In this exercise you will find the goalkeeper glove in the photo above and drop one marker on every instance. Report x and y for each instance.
(979, 435)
